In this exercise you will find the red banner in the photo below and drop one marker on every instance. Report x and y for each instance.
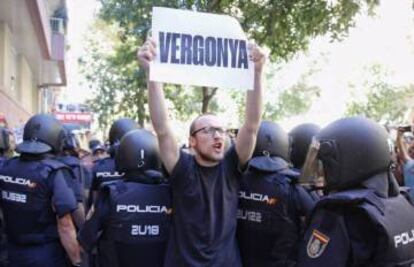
(72, 117)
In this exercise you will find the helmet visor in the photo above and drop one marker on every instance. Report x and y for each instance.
(312, 170)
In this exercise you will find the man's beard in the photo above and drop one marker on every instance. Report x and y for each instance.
(209, 158)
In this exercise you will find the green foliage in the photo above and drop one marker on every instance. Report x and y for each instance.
(120, 87)
(284, 26)
(293, 101)
(380, 99)
(113, 79)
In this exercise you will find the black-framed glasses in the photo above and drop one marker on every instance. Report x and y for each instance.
(209, 130)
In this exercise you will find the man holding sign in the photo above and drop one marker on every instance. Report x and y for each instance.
(205, 185)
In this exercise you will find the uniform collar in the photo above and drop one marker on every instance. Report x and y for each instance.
(272, 164)
(146, 177)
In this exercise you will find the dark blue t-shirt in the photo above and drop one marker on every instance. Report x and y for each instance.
(205, 213)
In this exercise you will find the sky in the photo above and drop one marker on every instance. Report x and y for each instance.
(387, 39)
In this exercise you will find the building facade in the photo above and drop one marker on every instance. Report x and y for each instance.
(32, 57)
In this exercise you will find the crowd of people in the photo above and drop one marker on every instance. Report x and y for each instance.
(333, 196)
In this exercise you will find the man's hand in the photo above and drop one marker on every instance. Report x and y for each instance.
(258, 56)
(146, 53)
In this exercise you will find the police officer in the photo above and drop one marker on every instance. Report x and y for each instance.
(36, 200)
(300, 139)
(365, 220)
(134, 213)
(77, 174)
(272, 205)
(104, 169)
(104, 172)
(93, 143)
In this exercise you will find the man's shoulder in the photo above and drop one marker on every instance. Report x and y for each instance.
(185, 160)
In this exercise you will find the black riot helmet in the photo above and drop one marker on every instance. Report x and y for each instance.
(119, 128)
(300, 139)
(41, 134)
(4, 140)
(93, 143)
(351, 151)
(272, 141)
(138, 151)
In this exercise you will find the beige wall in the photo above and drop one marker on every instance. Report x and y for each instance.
(25, 84)
(5, 58)
(25, 35)
(16, 81)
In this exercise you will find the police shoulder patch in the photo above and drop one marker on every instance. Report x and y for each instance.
(317, 244)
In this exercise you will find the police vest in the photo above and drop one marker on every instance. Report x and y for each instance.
(2, 160)
(25, 199)
(104, 172)
(139, 222)
(269, 217)
(76, 168)
(393, 221)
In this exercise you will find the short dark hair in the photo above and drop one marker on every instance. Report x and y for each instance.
(193, 123)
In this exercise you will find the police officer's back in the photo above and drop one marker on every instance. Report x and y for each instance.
(272, 205)
(133, 213)
(36, 201)
(104, 172)
(365, 220)
(76, 176)
(104, 169)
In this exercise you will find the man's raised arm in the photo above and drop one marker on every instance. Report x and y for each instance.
(246, 137)
(158, 110)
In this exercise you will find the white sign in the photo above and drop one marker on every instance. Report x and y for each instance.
(200, 49)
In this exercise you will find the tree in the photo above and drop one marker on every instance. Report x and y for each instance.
(295, 100)
(379, 99)
(113, 80)
(285, 26)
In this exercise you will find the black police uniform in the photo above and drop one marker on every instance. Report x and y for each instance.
(272, 209)
(77, 176)
(2, 160)
(104, 172)
(365, 220)
(33, 193)
(360, 228)
(104, 169)
(134, 214)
